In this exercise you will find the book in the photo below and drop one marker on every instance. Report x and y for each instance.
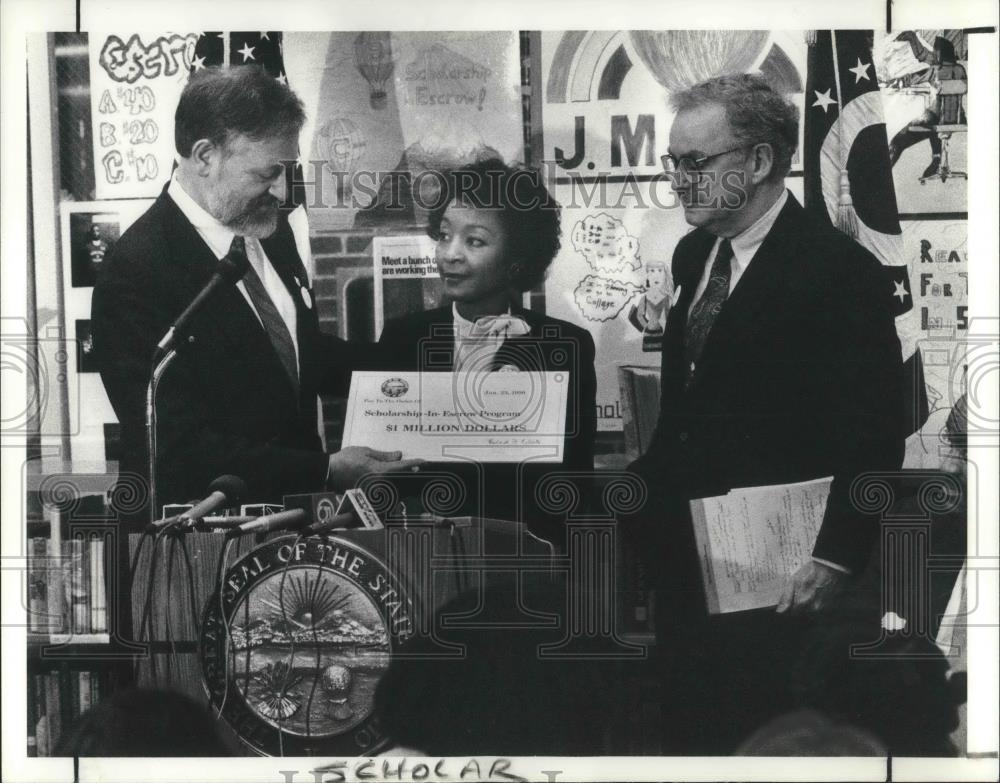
(77, 587)
(53, 710)
(751, 540)
(98, 588)
(639, 387)
(38, 579)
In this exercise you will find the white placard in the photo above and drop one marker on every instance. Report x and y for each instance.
(507, 416)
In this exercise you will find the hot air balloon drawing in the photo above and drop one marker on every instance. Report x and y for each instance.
(373, 58)
(342, 144)
(679, 59)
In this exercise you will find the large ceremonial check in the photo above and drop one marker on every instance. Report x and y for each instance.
(506, 416)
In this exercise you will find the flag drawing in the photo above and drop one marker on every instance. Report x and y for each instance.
(848, 178)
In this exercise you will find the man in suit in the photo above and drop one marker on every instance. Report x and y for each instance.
(241, 397)
(780, 364)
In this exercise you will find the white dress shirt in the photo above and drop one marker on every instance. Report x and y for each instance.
(745, 246)
(218, 238)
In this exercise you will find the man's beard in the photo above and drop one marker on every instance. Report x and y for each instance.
(257, 219)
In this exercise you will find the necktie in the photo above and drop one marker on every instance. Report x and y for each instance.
(707, 308)
(274, 324)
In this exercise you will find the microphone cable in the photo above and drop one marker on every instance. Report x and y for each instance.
(220, 575)
(144, 537)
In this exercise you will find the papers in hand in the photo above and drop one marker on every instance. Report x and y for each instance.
(750, 540)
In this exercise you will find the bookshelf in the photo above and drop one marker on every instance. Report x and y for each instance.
(72, 544)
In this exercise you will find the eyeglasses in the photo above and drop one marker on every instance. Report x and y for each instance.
(690, 166)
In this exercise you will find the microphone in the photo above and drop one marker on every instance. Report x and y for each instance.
(338, 522)
(283, 520)
(229, 271)
(225, 491)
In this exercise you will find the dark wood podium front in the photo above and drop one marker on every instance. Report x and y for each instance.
(434, 561)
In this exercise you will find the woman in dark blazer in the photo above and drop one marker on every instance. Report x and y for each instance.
(497, 231)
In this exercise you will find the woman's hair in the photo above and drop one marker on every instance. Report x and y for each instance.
(529, 214)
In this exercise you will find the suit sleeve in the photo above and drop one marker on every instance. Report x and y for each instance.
(865, 398)
(657, 465)
(580, 447)
(128, 320)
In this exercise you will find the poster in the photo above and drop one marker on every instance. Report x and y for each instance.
(388, 111)
(135, 82)
(614, 260)
(936, 254)
(406, 276)
(924, 83)
(605, 104)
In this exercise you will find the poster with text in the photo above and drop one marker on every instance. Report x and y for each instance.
(406, 277)
(135, 82)
(388, 111)
(937, 259)
(606, 93)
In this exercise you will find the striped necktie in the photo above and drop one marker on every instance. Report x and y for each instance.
(707, 308)
(274, 324)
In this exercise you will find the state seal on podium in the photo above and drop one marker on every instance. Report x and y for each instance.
(293, 646)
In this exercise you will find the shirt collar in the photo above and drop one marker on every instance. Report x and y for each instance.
(216, 235)
(746, 243)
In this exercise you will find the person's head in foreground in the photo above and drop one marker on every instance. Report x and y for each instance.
(145, 723)
(502, 696)
(497, 230)
(900, 691)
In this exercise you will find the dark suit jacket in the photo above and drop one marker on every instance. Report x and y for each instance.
(424, 341)
(800, 378)
(225, 405)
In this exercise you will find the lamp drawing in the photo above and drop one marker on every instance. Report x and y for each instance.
(373, 58)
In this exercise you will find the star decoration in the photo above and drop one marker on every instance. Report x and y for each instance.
(900, 291)
(263, 37)
(282, 78)
(823, 100)
(860, 71)
(198, 63)
(247, 52)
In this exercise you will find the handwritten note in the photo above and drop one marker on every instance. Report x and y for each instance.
(751, 539)
(135, 83)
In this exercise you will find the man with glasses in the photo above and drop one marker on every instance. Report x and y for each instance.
(780, 364)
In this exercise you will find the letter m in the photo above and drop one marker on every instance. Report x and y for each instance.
(623, 136)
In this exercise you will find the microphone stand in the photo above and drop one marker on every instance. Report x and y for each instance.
(154, 382)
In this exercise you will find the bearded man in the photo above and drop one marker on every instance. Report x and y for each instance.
(242, 395)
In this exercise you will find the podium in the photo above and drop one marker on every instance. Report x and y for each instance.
(358, 592)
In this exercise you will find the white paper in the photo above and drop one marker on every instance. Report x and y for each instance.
(507, 416)
(750, 540)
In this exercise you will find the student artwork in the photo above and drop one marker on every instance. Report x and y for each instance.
(648, 313)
